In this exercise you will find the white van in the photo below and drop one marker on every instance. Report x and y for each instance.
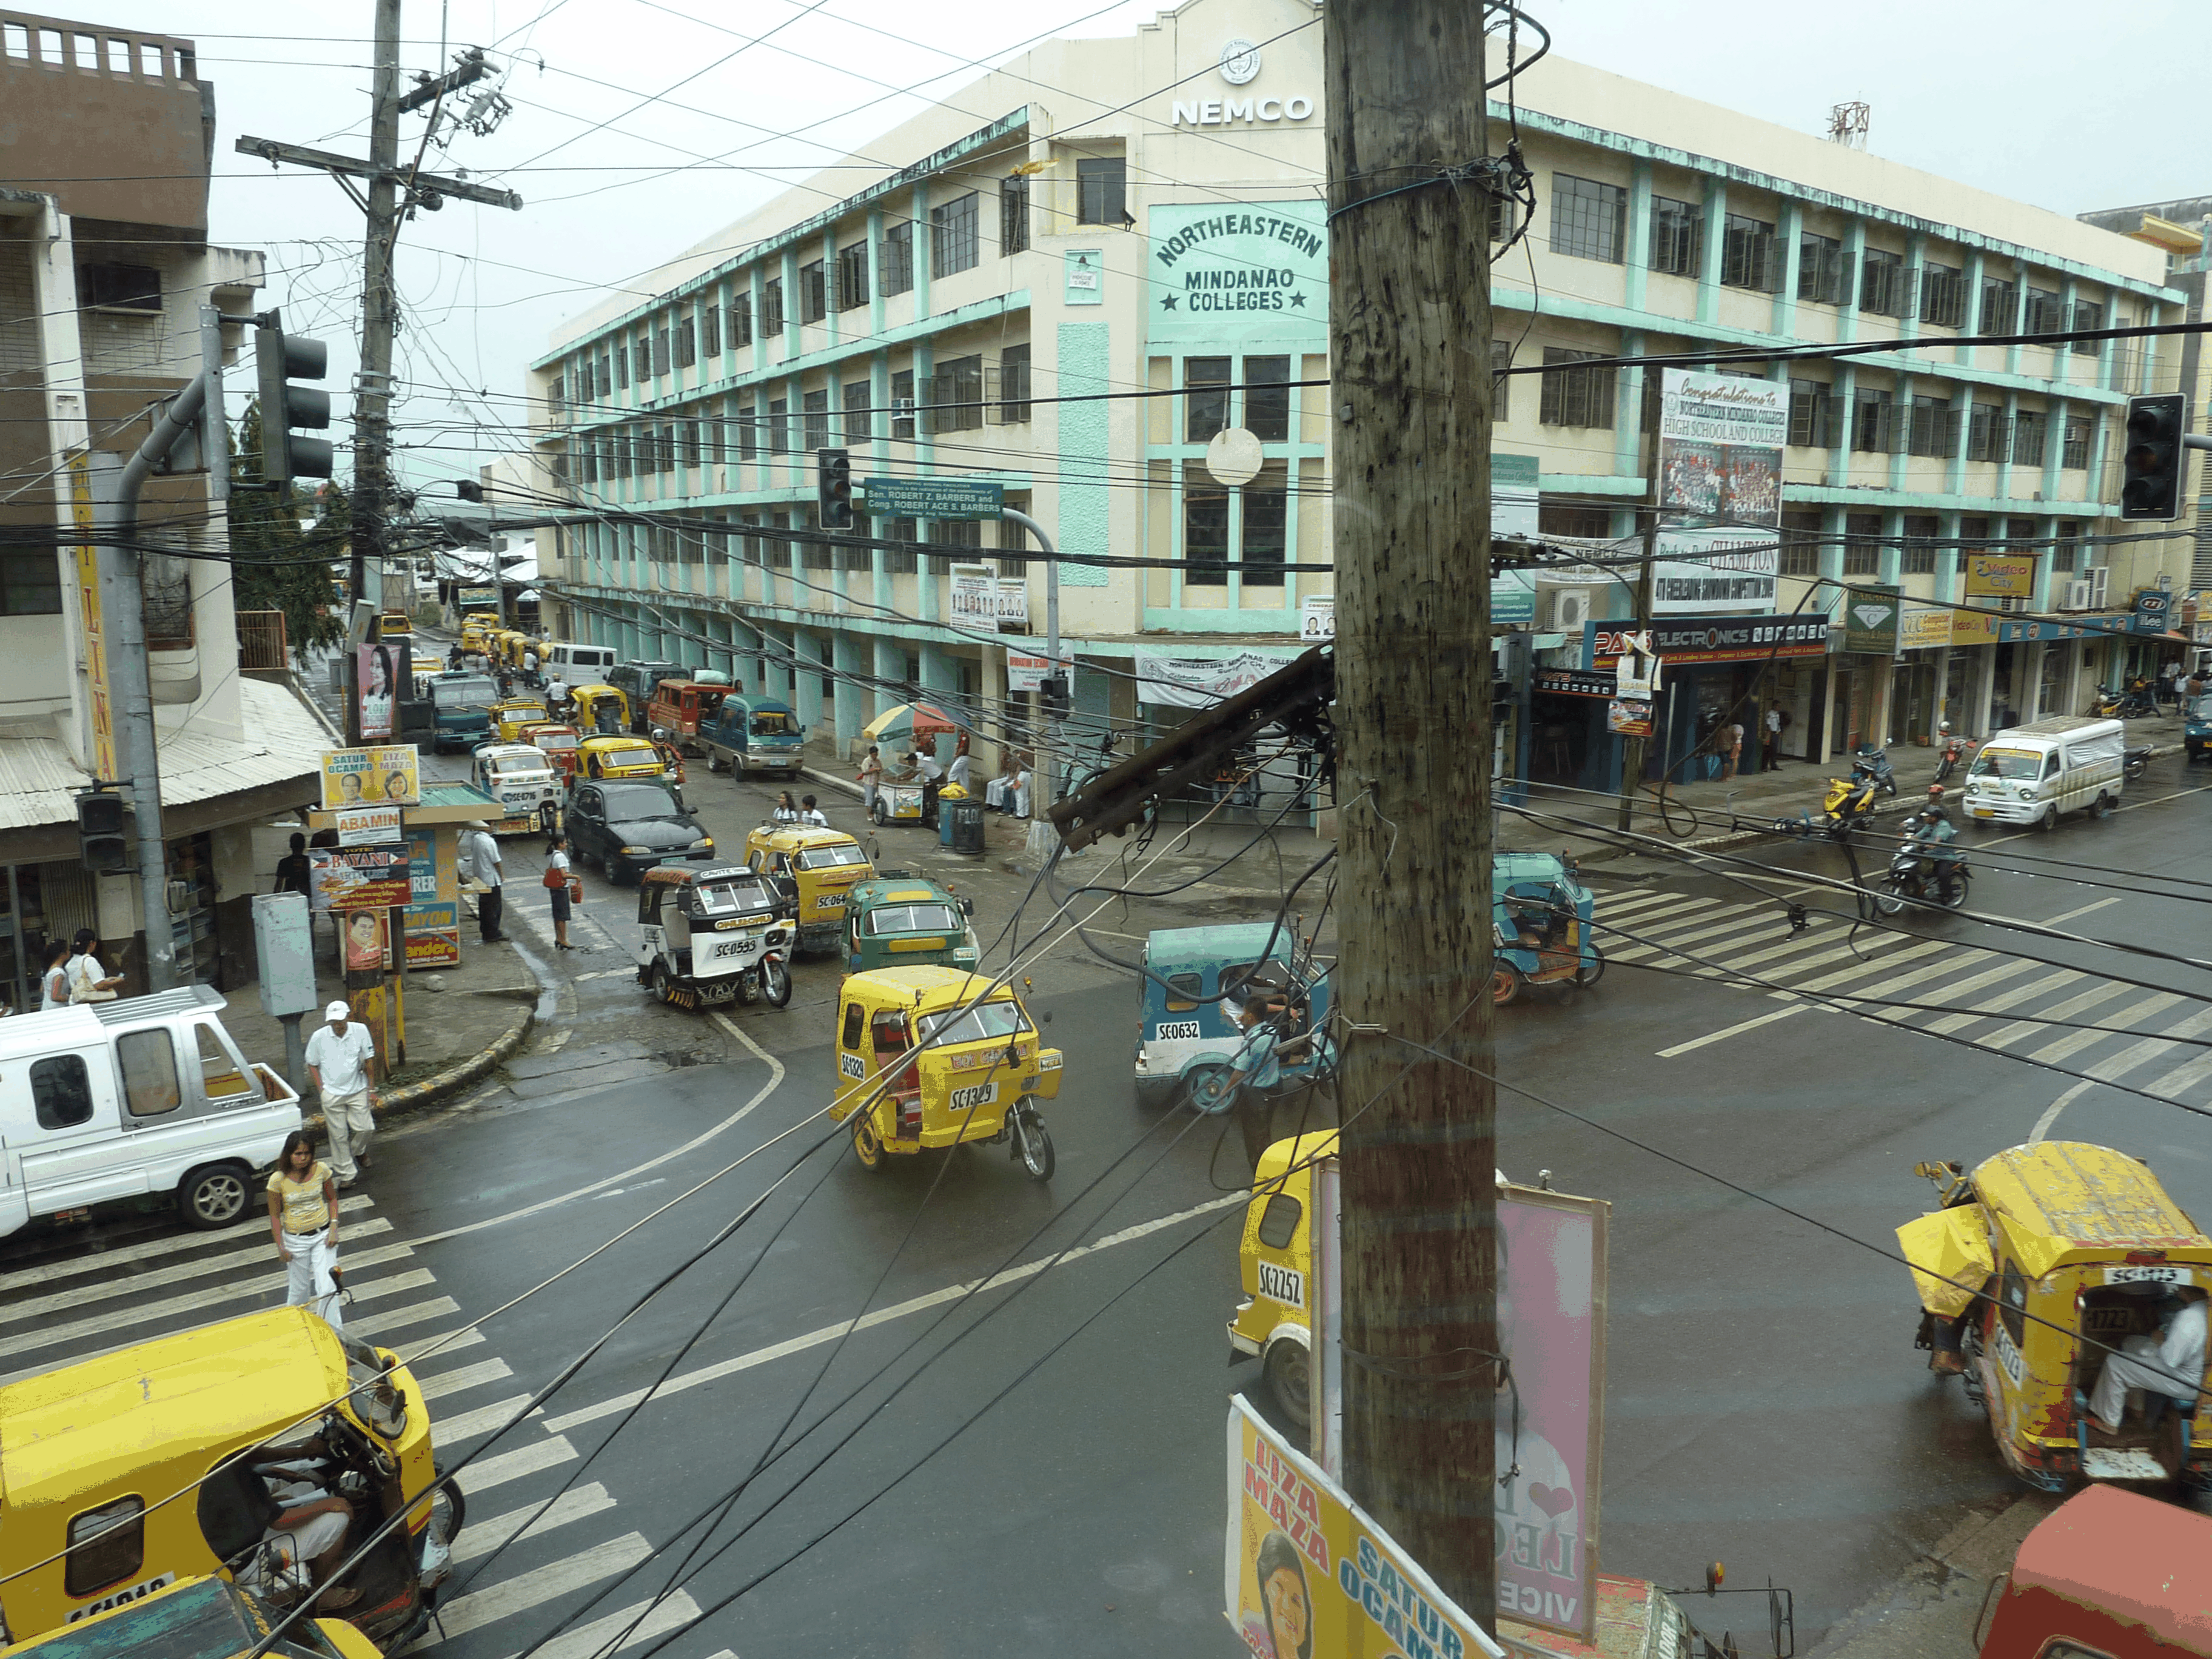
(2031, 773)
(575, 665)
(139, 1096)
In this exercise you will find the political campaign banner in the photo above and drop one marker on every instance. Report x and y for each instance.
(386, 776)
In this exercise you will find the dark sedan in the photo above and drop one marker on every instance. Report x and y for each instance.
(627, 826)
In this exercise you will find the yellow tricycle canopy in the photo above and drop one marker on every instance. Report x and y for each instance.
(2058, 1200)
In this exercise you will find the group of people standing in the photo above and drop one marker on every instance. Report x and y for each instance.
(1007, 792)
(72, 974)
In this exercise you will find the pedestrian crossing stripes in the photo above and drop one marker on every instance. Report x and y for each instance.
(2006, 1003)
(104, 1299)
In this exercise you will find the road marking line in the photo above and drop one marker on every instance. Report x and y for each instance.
(413, 1314)
(483, 1419)
(439, 1386)
(2074, 1042)
(1859, 971)
(1670, 944)
(535, 1588)
(445, 1342)
(229, 1261)
(605, 973)
(106, 1260)
(527, 1459)
(1951, 989)
(2069, 915)
(1732, 1030)
(2151, 1045)
(2050, 1112)
(483, 1537)
(2182, 1077)
(651, 1620)
(2012, 998)
(815, 1339)
(2102, 992)
(1879, 942)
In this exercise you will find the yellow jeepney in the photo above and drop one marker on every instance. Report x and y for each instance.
(2040, 1247)
(510, 714)
(934, 1057)
(823, 864)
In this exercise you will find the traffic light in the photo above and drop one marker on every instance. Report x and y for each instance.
(277, 359)
(1051, 691)
(2154, 457)
(834, 485)
(101, 845)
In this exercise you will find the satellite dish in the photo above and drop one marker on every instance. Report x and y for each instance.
(1233, 457)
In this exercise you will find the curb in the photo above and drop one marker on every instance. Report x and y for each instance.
(440, 1085)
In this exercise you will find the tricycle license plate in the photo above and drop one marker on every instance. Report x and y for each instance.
(1167, 1029)
(983, 1094)
(725, 950)
(2145, 1275)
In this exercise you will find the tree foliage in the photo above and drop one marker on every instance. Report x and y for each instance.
(293, 544)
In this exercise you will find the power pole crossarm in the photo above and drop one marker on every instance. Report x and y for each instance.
(390, 172)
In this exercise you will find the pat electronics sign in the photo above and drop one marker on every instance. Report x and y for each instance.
(1714, 639)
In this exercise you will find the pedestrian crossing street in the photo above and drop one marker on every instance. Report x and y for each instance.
(57, 1313)
(2136, 1036)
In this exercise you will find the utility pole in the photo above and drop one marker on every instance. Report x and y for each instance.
(1633, 750)
(372, 397)
(1410, 329)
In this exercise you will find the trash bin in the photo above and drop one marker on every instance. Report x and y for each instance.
(965, 826)
(946, 811)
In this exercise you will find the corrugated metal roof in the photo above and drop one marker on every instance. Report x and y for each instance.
(283, 744)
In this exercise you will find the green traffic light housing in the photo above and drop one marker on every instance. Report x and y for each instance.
(278, 358)
(834, 487)
(2154, 457)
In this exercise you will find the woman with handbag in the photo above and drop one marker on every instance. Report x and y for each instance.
(562, 885)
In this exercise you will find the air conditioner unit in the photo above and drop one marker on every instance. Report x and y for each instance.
(1569, 609)
(2077, 596)
(2099, 580)
(2011, 606)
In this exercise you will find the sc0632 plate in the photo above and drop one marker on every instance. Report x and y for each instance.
(1167, 1029)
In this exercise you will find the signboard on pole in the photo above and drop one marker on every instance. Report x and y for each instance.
(1870, 619)
(975, 595)
(358, 878)
(933, 498)
(366, 826)
(90, 621)
(2154, 606)
(1027, 670)
(387, 776)
(1317, 618)
(1720, 443)
(433, 936)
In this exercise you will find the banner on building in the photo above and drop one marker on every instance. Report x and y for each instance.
(2000, 576)
(358, 878)
(1721, 439)
(1307, 1571)
(1027, 671)
(974, 591)
(1921, 627)
(479, 596)
(1014, 602)
(361, 937)
(433, 936)
(1220, 272)
(1317, 618)
(387, 776)
(366, 826)
(1201, 682)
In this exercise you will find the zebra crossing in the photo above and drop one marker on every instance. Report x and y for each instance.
(2007, 1001)
(57, 1313)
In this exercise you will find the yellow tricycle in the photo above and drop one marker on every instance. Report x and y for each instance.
(936, 1057)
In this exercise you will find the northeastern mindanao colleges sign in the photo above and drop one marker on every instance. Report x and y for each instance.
(1238, 273)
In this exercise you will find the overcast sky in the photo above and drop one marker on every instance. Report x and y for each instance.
(616, 103)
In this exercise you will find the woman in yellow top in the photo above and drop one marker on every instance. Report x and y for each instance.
(303, 1215)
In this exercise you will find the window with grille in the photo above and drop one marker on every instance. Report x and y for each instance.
(618, 452)
(1205, 405)
(956, 395)
(1943, 296)
(1266, 520)
(1590, 220)
(109, 287)
(687, 345)
(748, 432)
(670, 442)
(1919, 558)
(1823, 270)
(814, 410)
(812, 555)
(660, 353)
(779, 426)
(166, 582)
(901, 561)
(1882, 283)
(1101, 190)
(2088, 314)
(953, 532)
(859, 395)
(1013, 214)
(1811, 423)
(741, 319)
(1747, 254)
(1800, 544)
(1863, 543)
(1013, 541)
(688, 433)
(2066, 556)
(1268, 398)
(772, 307)
(622, 368)
(1678, 230)
(2000, 306)
(1014, 385)
(1575, 397)
(711, 330)
(953, 240)
(2031, 436)
(895, 265)
(1872, 422)
(2079, 430)
(903, 403)
(2045, 314)
(1985, 433)
(1501, 383)
(852, 276)
(1205, 532)
(1589, 520)
(1931, 427)
(813, 293)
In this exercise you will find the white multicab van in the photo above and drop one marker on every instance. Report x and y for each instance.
(2031, 773)
(134, 1099)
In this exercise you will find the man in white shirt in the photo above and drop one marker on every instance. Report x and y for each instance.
(809, 814)
(338, 1059)
(2169, 1365)
(479, 860)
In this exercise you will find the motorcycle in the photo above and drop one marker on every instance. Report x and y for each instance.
(2134, 704)
(2135, 762)
(1954, 749)
(1873, 761)
(1918, 874)
(1848, 804)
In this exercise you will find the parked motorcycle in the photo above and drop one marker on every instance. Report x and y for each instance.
(1848, 804)
(2135, 762)
(2135, 703)
(1953, 748)
(1873, 761)
(1922, 871)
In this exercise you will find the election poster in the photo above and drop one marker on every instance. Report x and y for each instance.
(358, 878)
(1721, 439)
(387, 776)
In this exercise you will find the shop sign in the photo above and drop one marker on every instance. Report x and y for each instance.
(91, 621)
(1627, 719)
(2153, 611)
(1576, 682)
(1027, 671)
(1712, 638)
(433, 936)
(366, 826)
(1923, 627)
(479, 596)
(367, 777)
(1870, 620)
(2011, 633)
(2000, 576)
(358, 878)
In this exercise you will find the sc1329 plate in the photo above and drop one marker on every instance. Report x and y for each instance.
(981, 1094)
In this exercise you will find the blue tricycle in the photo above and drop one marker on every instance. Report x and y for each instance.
(1541, 919)
(1207, 994)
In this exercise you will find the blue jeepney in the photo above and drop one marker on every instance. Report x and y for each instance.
(462, 702)
(1190, 1044)
(753, 734)
(2197, 725)
(1542, 917)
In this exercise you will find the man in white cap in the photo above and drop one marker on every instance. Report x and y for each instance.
(479, 860)
(338, 1057)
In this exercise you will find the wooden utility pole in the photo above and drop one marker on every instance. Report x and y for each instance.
(372, 400)
(1409, 326)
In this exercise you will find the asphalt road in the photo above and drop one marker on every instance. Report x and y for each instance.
(1039, 1465)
